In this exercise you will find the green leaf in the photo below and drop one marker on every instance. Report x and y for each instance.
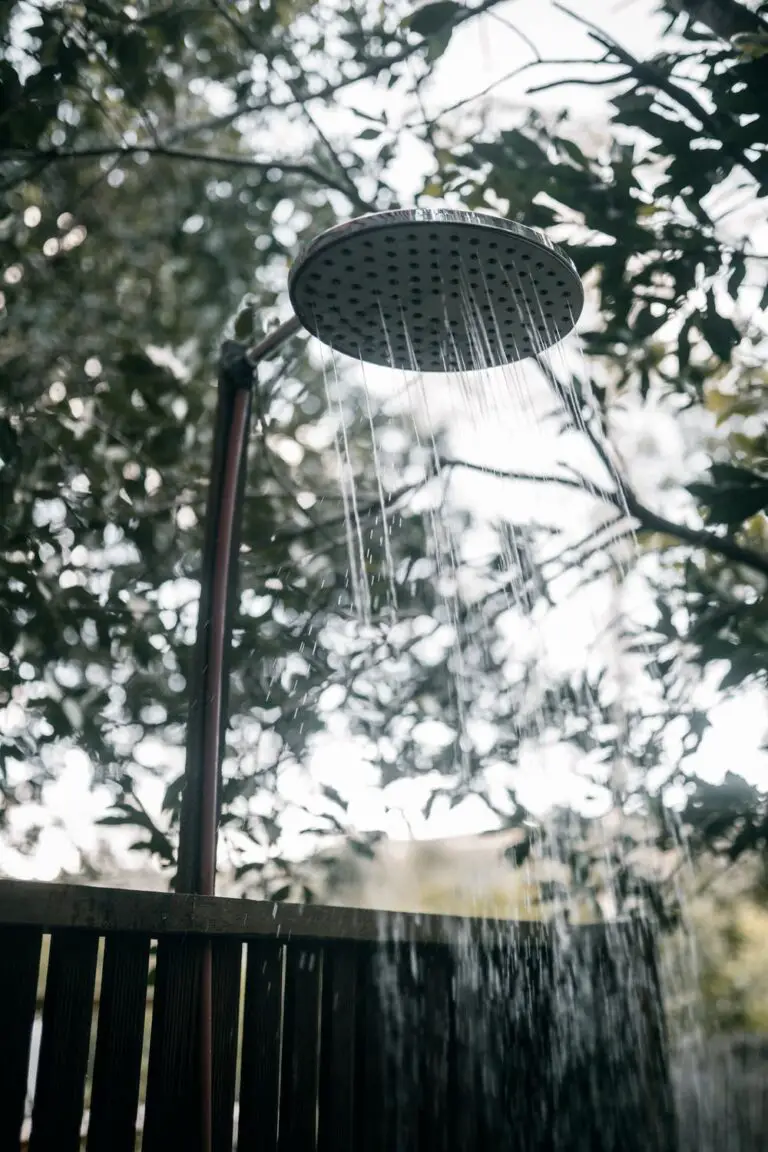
(370, 134)
(362, 848)
(244, 328)
(334, 796)
(737, 274)
(684, 347)
(733, 494)
(438, 43)
(433, 18)
(752, 45)
(517, 854)
(721, 334)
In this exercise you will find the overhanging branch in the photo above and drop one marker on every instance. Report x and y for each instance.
(232, 160)
(726, 18)
(626, 502)
(724, 546)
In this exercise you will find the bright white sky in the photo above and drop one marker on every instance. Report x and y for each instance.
(481, 53)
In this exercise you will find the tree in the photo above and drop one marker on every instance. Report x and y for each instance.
(131, 189)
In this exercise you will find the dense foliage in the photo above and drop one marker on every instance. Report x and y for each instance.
(162, 161)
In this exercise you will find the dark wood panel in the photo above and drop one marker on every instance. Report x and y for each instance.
(260, 1060)
(301, 1049)
(162, 913)
(436, 1052)
(173, 1106)
(227, 956)
(67, 1015)
(478, 1007)
(19, 965)
(403, 1008)
(338, 1049)
(650, 1032)
(533, 1029)
(119, 1038)
(514, 1041)
(629, 1094)
(374, 1117)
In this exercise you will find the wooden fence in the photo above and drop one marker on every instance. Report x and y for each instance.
(333, 1029)
(721, 1089)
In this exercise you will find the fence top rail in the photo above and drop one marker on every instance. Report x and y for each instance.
(50, 906)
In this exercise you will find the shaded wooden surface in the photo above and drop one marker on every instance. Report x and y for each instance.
(260, 1060)
(172, 1117)
(64, 1044)
(436, 1115)
(374, 1105)
(117, 1062)
(301, 1050)
(505, 1038)
(19, 963)
(338, 1049)
(227, 958)
(51, 906)
(721, 1085)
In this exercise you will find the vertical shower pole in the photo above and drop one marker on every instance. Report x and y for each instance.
(209, 674)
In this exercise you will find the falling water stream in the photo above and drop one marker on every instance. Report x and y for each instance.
(579, 1040)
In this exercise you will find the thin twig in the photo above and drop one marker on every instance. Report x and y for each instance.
(352, 193)
(371, 70)
(578, 82)
(520, 35)
(233, 160)
(624, 499)
(531, 477)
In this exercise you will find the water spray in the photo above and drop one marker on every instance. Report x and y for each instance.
(426, 290)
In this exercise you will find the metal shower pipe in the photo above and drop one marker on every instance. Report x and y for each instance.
(198, 826)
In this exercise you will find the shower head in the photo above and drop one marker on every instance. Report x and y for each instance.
(435, 290)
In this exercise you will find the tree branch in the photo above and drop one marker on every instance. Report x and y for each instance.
(625, 501)
(233, 160)
(725, 18)
(371, 508)
(370, 71)
(535, 478)
(345, 176)
(648, 73)
(724, 546)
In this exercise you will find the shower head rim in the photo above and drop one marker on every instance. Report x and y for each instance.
(398, 217)
(392, 232)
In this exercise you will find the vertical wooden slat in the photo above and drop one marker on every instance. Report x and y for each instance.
(19, 963)
(436, 1053)
(653, 1037)
(464, 1101)
(173, 1112)
(337, 1049)
(260, 1060)
(636, 1113)
(227, 954)
(301, 1044)
(117, 1063)
(404, 1044)
(479, 1055)
(533, 1094)
(373, 1102)
(67, 1012)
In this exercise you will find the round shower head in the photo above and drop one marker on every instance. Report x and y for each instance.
(435, 290)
